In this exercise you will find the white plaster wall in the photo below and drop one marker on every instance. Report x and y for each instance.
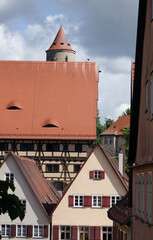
(111, 185)
(34, 213)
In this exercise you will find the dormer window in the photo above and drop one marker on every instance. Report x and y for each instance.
(97, 175)
(14, 108)
(50, 126)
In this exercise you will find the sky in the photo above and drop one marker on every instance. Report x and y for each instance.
(103, 31)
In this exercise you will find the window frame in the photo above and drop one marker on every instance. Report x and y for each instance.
(65, 231)
(149, 196)
(105, 141)
(116, 200)
(137, 190)
(142, 196)
(22, 230)
(6, 235)
(52, 166)
(79, 205)
(97, 201)
(107, 232)
(38, 231)
(84, 232)
(97, 175)
(10, 177)
(23, 201)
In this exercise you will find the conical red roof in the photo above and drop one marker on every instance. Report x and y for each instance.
(60, 41)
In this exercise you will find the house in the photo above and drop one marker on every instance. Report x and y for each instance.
(121, 214)
(141, 139)
(37, 197)
(82, 211)
(42, 112)
(112, 137)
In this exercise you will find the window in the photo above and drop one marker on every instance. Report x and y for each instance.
(3, 146)
(53, 168)
(65, 232)
(5, 230)
(111, 140)
(142, 196)
(105, 140)
(151, 110)
(78, 201)
(78, 147)
(77, 168)
(146, 96)
(24, 204)
(83, 233)
(97, 174)
(58, 185)
(137, 194)
(9, 177)
(52, 147)
(107, 233)
(38, 231)
(26, 147)
(96, 201)
(149, 196)
(115, 199)
(21, 231)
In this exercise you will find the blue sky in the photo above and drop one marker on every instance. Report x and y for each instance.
(101, 30)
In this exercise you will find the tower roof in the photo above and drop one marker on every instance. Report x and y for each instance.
(60, 41)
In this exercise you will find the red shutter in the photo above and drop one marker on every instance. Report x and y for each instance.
(125, 236)
(92, 233)
(71, 201)
(46, 231)
(29, 231)
(13, 230)
(87, 201)
(97, 233)
(74, 233)
(102, 174)
(91, 175)
(55, 232)
(106, 201)
(115, 232)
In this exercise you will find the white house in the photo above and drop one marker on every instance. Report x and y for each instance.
(36, 195)
(82, 212)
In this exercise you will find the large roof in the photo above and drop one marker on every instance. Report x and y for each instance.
(48, 100)
(116, 127)
(60, 41)
(47, 196)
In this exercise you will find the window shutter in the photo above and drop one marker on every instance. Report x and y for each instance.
(102, 174)
(13, 230)
(106, 201)
(45, 231)
(115, 229)
(97, 233)
(91, 175)
(87, 201)
(92, 233)
(71, 201)
(125, 236)
(74, 235)
(29, 231)
(55, 232)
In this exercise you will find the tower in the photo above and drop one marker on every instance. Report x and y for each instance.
(60, 50)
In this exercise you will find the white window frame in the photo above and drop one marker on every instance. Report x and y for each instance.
(22, 230)
(23, 201)
(65, 231)
(85, 230)
(107, 232)
(105, 140)
(98, 197)
(97, 174)
(7, 230)
(115, 200)
(142, 197)
(137, 194)
(38, 231)
(10, 177)
(149, 196)
(80, 201)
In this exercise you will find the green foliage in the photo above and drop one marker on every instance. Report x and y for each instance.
(127, 112)
(10, 202)
(126, 137)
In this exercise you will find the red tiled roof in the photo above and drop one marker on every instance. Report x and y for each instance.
(120, 212)
(116, 127)
(54, 100)
(44, 194)
(60, 41)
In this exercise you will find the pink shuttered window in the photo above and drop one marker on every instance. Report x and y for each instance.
(97, 174)
(70, 202)
(91, 174)
(55, 232)
(106, 201)
(29, 231)
(13, 230)
(74, 233)
(87, 201)
(46, 231)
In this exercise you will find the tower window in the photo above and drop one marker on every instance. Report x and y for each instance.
(62, 43)
(66, 58)
(69, 44)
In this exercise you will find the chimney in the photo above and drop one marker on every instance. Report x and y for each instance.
(122, 160)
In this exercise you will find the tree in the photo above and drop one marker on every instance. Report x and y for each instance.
(126, 137)
(10, 203)
(127, 112)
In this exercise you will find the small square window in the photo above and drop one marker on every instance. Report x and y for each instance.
(52, 147)
(105, 140)
(21, 231)
(52, 168)
(97, 174)
(5, 230)
(9, 177)
(78, 147)
(58, 185)
(38, 231)
(24, 204)
(78, 201)
(96, 201)
(77, 168)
